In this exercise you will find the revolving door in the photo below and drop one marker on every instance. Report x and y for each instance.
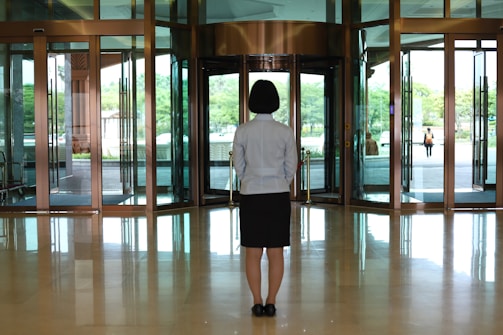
(310, 104)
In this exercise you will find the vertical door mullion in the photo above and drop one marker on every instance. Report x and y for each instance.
(41, 122)
(95, 120)
(499, 122)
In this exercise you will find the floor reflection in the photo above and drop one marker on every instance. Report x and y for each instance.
(347, 271)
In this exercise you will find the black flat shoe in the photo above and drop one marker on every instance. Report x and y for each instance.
(258, 310)
(270, 310)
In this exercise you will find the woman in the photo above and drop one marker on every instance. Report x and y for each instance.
(265, 160)
(428, 141)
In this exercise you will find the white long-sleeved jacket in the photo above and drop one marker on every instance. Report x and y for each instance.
(265, 156)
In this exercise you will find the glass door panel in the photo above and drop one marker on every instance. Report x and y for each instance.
(377, 163)
(480, 122)
(180, 124)
(173, 117)
(406, 123)
(223, 119)
(360, 119)
(426, 178)
(491, 56)
(172, 130)
(123, 121)
(320, 120)
(220, 101)
(69, 127)
(312, 111)
(164, 130)
(17, 125)
(126, 123)
(475, 138)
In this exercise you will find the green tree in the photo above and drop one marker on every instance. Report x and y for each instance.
(29, 108)
(432, 104)
(378, 110)
(163, 104)
(312, 107)
(224, 102)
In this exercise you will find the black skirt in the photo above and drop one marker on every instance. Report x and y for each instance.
(265, 220)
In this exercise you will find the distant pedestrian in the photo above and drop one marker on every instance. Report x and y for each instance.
(428, 141)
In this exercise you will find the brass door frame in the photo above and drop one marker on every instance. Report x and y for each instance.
(450, 125)
(42, 124)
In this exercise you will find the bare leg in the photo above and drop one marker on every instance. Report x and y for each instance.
(253, 273)
(276, 269)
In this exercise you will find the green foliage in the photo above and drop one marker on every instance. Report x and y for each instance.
(29, 108)
(224, 105)
(163, 104)
(312, 109)
(110, 96)
(378, 110)
(109, 157)
(224, 102)
(82, 156)
(109, 102)
(283, 113)
(430, 104)
(88, 156)
(462, 134)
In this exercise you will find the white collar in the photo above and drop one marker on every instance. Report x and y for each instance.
(263, 117)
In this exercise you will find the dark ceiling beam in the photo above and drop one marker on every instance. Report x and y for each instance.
(451, 26)
(71, 28)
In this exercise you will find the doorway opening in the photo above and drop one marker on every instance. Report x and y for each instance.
(475, 138)
(423, 115)
(310, 103)
(474, 112)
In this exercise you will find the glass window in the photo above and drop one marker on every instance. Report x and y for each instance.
(162, 38)
(232, 10)
(74, 46)
(338, 11)
(166, 11)
(492, 9)
(27, 10)
(489, 44)
(372, 10)
(120, 42)
(476, 8)
(17, 123)
(71, 9)
(422, 9)
(463, 8)
(121, 9)
(465, 44)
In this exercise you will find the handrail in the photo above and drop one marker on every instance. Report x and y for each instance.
(308, 176)
(231, 181)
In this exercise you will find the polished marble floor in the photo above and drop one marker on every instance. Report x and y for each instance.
(348, 271)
